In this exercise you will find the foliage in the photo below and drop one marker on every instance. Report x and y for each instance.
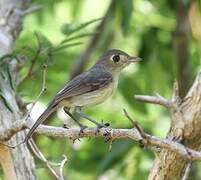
(58, 33)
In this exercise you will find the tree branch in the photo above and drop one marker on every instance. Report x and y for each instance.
(185, 127)
(157, 99)
(74, 133)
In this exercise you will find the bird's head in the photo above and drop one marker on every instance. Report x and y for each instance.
(115, 60)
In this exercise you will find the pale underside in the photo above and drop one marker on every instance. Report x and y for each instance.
(90, 98)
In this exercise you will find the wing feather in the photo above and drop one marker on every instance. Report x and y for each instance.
(86, 82)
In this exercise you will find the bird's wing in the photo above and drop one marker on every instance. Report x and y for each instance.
(89, 81)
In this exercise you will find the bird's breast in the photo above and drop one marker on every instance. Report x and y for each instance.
(91, 98)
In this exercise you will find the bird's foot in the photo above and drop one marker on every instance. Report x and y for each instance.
(65, 126)
(99, 126)
(178, 135)
(82, 127)
(178, 139)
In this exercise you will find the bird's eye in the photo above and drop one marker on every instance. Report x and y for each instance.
(116, 58)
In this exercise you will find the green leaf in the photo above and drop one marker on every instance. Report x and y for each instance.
(69, 29)
(77, 37)
(43, 41)
(64, 46)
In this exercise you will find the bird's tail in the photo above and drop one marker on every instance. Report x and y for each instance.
(50, 109)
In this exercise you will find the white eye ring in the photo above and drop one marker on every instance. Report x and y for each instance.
(116, 58)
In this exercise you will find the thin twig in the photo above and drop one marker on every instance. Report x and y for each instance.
(135, 124)
(43, 89)
(36, 151)
(62, 167)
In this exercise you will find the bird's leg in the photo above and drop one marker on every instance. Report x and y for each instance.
(80, 114)
(76, 119)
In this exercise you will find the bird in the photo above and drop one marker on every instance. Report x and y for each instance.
(90, 88)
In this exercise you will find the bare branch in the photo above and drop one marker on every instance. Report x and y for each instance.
(136, 125)
(74, 133)
(62, 167)
(154, 100)
(36, 151)
(43, 89)
(16, 127)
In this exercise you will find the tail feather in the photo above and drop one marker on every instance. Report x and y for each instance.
(40, 120)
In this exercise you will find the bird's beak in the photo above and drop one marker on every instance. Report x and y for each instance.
(134, 59)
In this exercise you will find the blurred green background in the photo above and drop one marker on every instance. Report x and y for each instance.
(166, 34)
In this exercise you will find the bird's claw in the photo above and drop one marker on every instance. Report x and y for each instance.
(103, 124)
(82, 129)
(99, 126)
(177, 139)
(178, 136)
(65, 126)
(107, 124)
